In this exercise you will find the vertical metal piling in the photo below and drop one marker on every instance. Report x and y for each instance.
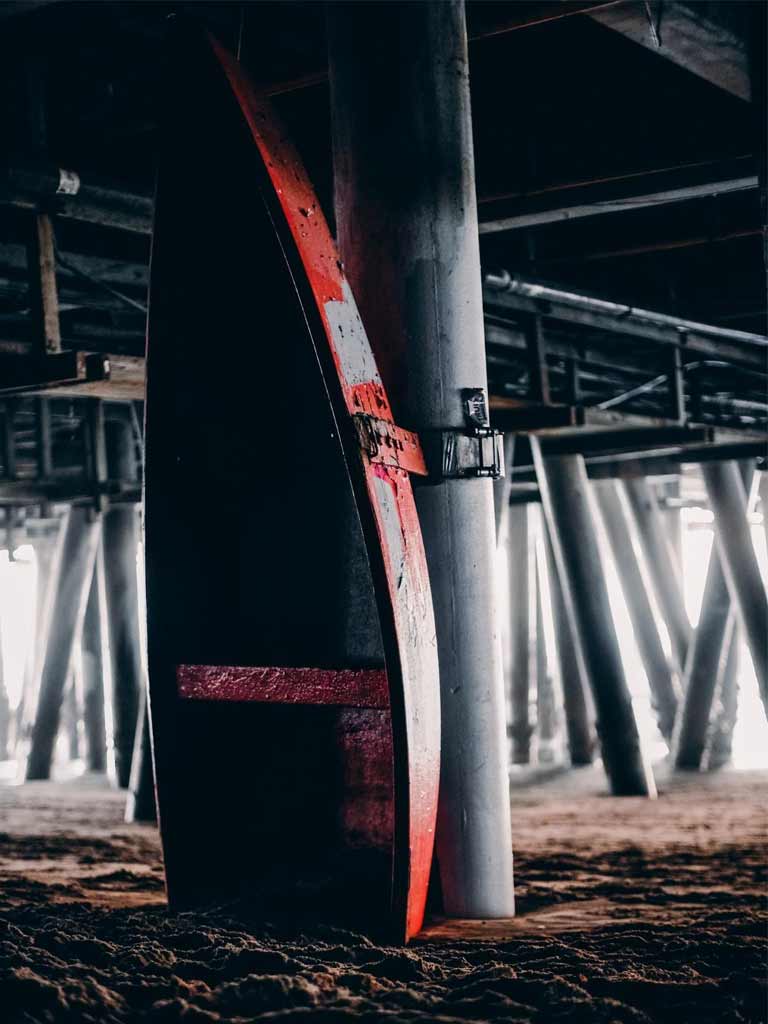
(121, 536)
(573, 676)
(404, 189)
(77, 554)
(93, 676)
(664, 686)
(522, 576)
(662, 564)
(141, 805)
(571, 513)
(711, 657)
(728, 498)
(719, 748)
(546, 708)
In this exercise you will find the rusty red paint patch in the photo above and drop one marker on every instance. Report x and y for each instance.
(350, 687)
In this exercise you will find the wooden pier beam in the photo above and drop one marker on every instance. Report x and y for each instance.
(571, 513)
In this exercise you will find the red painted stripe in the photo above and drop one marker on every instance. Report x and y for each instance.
(349, 687)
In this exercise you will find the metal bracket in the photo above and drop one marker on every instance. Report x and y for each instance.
(475, 451)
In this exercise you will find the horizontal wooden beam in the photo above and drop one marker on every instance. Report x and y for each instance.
(681, 34)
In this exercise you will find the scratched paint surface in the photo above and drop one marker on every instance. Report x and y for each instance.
(413, 673)
(358, 688)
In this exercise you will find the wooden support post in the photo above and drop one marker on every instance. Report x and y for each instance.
(141, 805)
(43, 439)
(571, 513)
(419, 215)
(120, 554)
(538, 372)
(93, 674)
(662, 565)
(728, 498)
(9, 440)
(664, 685)
(43, 294)
(78, 550)
(676, 386)
(573, 677)
(522, 577)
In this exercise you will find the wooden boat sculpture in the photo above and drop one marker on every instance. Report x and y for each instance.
(291, 642)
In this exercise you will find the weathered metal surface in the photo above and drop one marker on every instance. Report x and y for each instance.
(72, 583)
(358, 688)
(664, 685)
(728, 498)
(571, 513)
(280, 613)
(406, 222)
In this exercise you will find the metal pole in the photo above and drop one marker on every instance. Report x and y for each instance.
(734, 543)
(5, 708)
(711, 646)
(764, 501)
(707, 649)
(663, 568)
(571, 516)
(573, 676)
(719, 748)
(405, 190)
(93, 677)
(522, 577)
(78, 550)
(47, 563)
(664, 686)
(121, 536)
(546, 710)
(141, 789)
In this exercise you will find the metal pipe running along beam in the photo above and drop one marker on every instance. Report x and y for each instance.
(521, 296)
(571, 513)
(664, 686)
(405, 189)
(728, 498)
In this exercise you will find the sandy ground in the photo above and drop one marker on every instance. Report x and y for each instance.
(629, 911)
